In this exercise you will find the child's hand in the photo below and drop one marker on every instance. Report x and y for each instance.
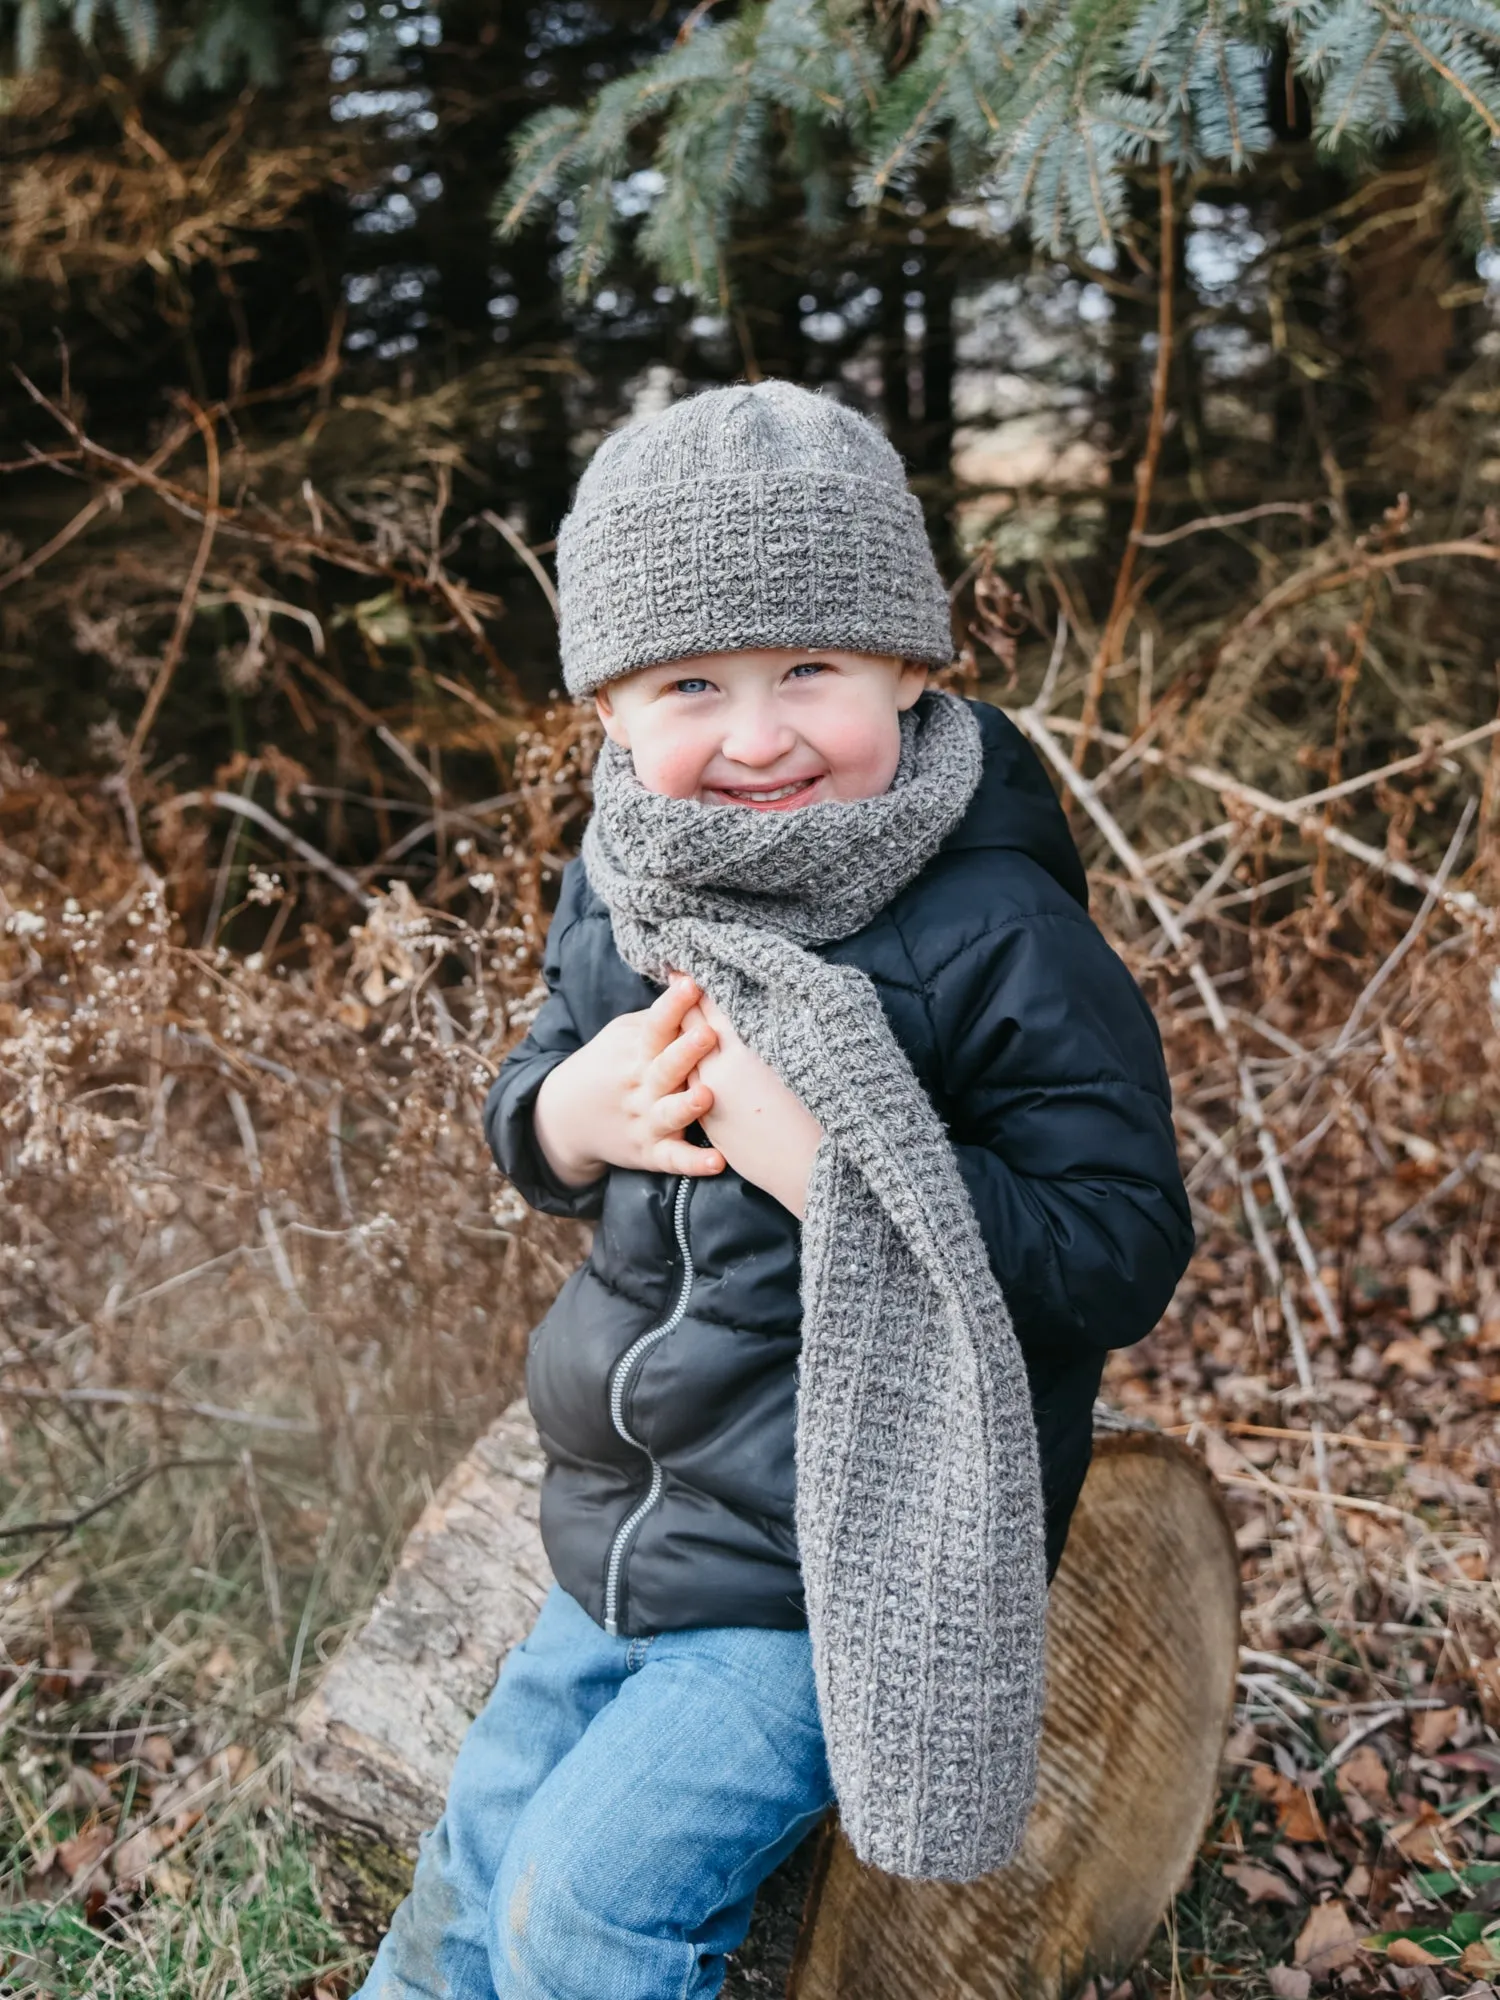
(763, 1129)
(625, 1098)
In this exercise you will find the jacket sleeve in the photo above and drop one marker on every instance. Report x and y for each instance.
(551, 1039)
(1060, 1114)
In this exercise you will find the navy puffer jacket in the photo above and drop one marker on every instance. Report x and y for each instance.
(663, 1379)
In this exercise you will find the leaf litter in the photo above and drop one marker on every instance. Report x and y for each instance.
(254, 1250)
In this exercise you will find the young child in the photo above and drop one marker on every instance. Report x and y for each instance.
(876, 1133)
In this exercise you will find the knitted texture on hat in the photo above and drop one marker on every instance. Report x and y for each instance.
(752, 516)
(919, 1505)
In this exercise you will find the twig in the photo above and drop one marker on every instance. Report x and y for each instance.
(251, 1147)
(1184, 849)
(503, 528)
(1414, 931)
(248, 809)
(336, 1171)
(226, 864)
(304, 1624)
(169, 1405)
(181, 1278)
(1290, 1436)
(1445, 1186)
(367, 716)
(267, 1554)
(1367, 563)
(1350, 1502)
(1302, 806)
(69, 1524)
(1298, 812)
(1303, 509)
(1048, 687)
(1145, 471)
(1371, 1726)
(1087, 797)
(466, 603)
(109, 496)
(189, 600)
(1291, 1318)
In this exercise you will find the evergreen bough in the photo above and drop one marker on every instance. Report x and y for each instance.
(1042, 108)
(1041, 105)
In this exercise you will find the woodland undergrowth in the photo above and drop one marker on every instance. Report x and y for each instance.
(261, 1286)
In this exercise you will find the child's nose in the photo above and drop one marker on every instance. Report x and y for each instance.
(757, 738)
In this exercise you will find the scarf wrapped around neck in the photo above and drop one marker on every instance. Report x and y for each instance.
(918, 1503)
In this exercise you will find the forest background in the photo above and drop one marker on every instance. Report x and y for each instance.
(1184, 316)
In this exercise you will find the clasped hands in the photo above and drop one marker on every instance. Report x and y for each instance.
(626, 1098)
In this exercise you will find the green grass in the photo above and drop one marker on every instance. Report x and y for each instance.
(167, 1597)
(247, 1928)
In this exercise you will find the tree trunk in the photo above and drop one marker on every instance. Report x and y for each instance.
(1142, 1648)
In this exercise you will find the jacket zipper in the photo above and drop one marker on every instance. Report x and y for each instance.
(619, 1382)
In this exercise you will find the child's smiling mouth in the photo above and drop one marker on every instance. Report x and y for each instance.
(767, 798)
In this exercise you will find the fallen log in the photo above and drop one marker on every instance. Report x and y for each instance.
(1142, 1646)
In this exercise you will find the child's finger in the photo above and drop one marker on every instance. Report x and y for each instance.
(681, 1156)
(671, 1115)
(670, 1069)
(664, 1015)
(711, 1012)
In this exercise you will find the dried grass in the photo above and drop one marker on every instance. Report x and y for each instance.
(85, 210)
(261, 1284)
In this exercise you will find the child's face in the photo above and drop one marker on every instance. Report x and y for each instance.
(770, 729)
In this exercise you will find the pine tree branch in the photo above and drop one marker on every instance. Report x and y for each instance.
(1450, 76)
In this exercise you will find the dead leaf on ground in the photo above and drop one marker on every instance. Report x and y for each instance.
(68, 1666)
(1261, 1885)
(1426, 1839)
(1424, 1291)
(1412, 1357)
(82, 1790)
(157, 1752)
(136, 1854)
(175, 1883)
(1487, 1687)
(1433, 1729)
(87, 1848)
(1406, 1951)
(220, 1665)
(1289, 1982)
(1363, 1771)
(1297, 1817)
(1326, 1942)
(1479, 1960)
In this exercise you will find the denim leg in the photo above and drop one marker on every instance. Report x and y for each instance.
(550, 1689)
(632, 1871)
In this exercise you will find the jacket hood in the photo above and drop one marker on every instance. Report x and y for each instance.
(1015, 807)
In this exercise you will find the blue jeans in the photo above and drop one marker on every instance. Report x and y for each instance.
(611, 1814)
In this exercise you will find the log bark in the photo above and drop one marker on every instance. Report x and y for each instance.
(1142, 1645)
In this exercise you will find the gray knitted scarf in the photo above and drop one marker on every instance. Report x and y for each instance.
(919, 1514)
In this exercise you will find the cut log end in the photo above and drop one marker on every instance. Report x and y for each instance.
(1142, 1647)
(1143, 1635)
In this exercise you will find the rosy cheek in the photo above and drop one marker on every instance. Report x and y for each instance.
(669, 760)
(862, 752)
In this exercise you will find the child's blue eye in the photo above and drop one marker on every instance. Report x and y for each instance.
(691, 685)
(810, 667)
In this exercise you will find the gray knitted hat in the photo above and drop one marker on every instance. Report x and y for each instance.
(752, 516)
